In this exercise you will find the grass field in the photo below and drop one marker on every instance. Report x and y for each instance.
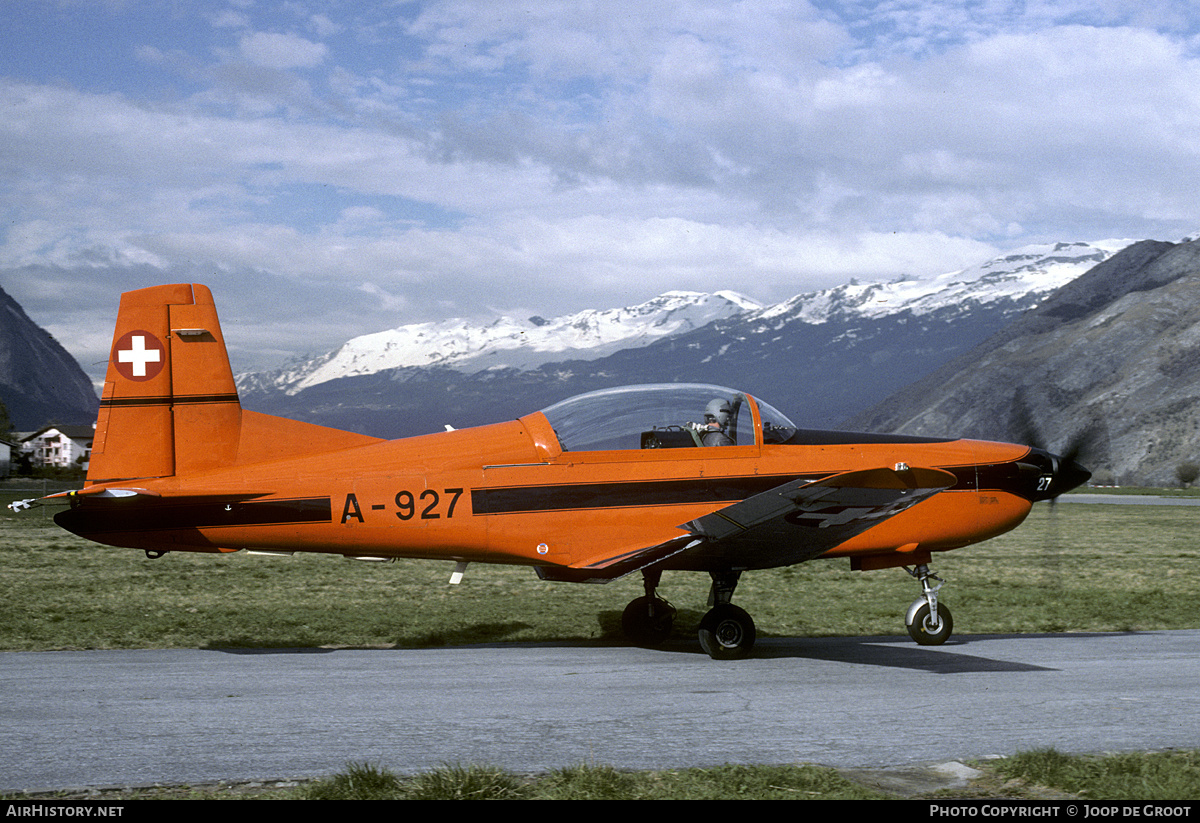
(1165, 777)
(1074, 567)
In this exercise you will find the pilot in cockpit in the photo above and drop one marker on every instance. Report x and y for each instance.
(718, 415)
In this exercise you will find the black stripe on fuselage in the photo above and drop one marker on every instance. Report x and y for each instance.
(165, 514)
(565, 497)
(168, 400)
(1003, 477)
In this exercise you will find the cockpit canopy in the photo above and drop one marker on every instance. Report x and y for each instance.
(668, 415)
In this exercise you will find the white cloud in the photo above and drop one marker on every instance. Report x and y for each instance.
(282, 51)
(457, 156)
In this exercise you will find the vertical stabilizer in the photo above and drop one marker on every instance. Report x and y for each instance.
(169, 404)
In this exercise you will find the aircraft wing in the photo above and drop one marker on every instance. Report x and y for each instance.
(610, 567)
(788, 524)
(801, 520)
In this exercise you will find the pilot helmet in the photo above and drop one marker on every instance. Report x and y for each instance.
(719, 410)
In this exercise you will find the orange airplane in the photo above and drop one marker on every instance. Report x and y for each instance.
(637, 479)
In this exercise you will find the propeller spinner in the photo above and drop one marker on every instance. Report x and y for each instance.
(1051, 474)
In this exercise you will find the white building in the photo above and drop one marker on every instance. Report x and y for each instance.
(62, 447)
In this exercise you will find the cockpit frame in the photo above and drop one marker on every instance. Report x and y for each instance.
(664, 416)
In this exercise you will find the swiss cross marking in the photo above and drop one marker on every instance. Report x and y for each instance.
(139, 355)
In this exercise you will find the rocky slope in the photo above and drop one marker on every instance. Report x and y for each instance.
(39, 381)
(1112, 361)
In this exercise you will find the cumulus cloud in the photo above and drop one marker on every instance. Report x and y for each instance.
(445, 157)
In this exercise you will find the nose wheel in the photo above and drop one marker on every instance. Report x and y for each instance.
(928, 623)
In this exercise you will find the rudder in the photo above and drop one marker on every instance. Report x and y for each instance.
(169, 404)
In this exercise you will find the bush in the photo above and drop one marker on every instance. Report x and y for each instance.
(455, 782)
(360, 781)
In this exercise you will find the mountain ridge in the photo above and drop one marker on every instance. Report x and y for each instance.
(40, 382)
(1110, 362)
(1015, 280)
(820, 357)
(506, 342)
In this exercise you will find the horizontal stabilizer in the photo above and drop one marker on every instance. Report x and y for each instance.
(100, 495)
(72, 497)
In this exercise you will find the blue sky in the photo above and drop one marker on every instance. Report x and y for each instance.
(333, 169)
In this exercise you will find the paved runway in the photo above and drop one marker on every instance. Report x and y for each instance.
(105, 718)
(1130, 500)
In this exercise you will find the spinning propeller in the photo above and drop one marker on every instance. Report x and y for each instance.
(1052, 474)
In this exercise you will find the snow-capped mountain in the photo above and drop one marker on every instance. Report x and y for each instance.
(1108, 365)
(509, 343)
(862, 356)
(1024, 275)
(1018, 280)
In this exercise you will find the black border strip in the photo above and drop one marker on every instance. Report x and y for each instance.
(169, 400)
(169, 514)
(1003, 477)
(566, 497)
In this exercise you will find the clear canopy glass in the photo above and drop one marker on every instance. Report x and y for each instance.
(669, 415)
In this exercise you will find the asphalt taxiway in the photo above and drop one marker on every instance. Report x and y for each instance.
(120, 718)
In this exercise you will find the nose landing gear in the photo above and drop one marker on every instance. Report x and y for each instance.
(928, 623)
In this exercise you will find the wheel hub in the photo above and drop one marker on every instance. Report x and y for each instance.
(729, 633)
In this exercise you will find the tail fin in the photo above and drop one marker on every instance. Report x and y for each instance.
(169, 404)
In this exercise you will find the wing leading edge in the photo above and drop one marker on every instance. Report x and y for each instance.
(788, 524)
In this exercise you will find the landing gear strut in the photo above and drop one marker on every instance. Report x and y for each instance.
(928, 623)
(648, 620)
(726, 632)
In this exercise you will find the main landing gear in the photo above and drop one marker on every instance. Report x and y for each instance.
(726, 631)
(928, 623)
(648, 620)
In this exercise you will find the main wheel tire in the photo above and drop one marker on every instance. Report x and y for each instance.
(922, 630)
(727, 633)
(647, 621)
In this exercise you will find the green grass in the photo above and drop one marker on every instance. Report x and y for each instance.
(590, 782)
(1140, 776)
(1077, 567)
(1037, 775)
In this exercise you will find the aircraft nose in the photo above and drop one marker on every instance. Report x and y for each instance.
(1049, 475)
(1070, 475)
